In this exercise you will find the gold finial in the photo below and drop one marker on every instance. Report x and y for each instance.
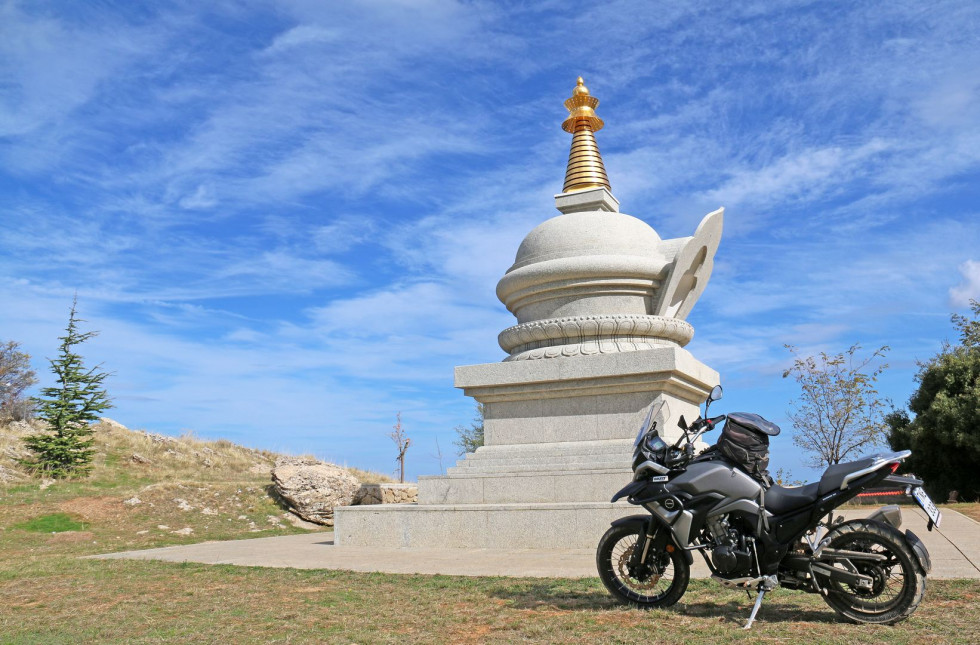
(585, 169)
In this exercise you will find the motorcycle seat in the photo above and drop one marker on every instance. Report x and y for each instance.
(781, 499)
(834, 476)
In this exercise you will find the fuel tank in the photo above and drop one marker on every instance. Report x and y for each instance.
(716, 477)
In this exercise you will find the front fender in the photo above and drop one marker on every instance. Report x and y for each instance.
(629, 489)
(643, 523)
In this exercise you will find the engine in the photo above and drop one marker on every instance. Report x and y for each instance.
(731, 555)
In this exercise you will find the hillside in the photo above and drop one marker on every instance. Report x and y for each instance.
(146, 490)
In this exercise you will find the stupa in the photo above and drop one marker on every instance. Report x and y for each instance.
(600, 301)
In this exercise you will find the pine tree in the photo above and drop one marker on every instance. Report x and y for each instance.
(65, 448)
(469, 439)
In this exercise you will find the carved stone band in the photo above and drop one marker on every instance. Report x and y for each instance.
(600, 334)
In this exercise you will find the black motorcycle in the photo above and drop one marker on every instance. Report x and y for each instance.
(756, 535)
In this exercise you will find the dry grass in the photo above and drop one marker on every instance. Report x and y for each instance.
(971, 510)
(49, 595)
(52, 598)
(149, 490)
(124, 454)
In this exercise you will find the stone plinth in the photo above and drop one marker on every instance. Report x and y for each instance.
(559, 437)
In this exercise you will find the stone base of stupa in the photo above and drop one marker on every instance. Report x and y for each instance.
(558, 435)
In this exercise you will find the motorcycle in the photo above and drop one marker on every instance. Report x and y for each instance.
(756, 535)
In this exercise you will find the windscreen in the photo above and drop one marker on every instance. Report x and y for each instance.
(656, 418)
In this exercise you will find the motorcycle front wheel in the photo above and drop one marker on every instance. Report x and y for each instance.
(659, 582)
(898, 582)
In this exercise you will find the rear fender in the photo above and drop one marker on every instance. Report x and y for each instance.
(920, 551)
(643, 523)
(891, 515)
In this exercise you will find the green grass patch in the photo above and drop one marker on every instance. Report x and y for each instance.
(51, 523)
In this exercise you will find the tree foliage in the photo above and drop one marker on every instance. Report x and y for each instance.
(16, 376)
(839, 413)
(944, 434)
(468, 439)
(64, 448)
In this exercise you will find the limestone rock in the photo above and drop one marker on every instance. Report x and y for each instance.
(313, 488)
(386, 494)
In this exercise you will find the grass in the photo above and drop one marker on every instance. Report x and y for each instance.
(57, 599)
(971, 510)
(51, 523)
(49, 595)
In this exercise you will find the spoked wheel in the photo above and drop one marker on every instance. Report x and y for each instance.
(897, 582)
(660, 581)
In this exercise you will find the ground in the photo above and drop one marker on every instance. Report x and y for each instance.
(49, 595)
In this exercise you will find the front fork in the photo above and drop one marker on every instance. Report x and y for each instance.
(650, 540)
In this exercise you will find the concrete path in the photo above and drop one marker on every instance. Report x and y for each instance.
(955, 552)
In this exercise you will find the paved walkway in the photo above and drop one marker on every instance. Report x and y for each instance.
(955, 552)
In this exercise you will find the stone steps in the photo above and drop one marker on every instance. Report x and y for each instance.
(538, 465)
(514, 526)
(569, 448)
(587, 485)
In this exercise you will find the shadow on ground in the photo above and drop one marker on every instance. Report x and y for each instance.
(776, 609)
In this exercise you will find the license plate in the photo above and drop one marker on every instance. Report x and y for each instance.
(923, 499)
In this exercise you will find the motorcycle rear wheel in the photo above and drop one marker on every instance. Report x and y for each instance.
(899, 582)
(662, 586)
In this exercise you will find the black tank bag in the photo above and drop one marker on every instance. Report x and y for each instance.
(744, 442)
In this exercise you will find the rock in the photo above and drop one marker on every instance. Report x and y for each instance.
(184, 531)
(133, 501)
(386, 494)
(163, 527)
(111, 423)
(209, 511)
(139, 459)
(9, 475)
(300, 523)
(45, 483)
(182, 504)
(313, 488)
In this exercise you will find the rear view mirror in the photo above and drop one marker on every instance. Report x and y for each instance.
(681, 423)
(715, 394)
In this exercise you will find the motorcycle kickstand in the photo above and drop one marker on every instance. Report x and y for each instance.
(764, 587)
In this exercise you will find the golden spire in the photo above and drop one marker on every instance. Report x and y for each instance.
(585, 169)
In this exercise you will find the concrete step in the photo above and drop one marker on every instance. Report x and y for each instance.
(569, 448)
(483, 526)
(549, 457)
(529, 465)
(587, 485)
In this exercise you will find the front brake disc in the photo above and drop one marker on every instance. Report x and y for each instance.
(625, 571)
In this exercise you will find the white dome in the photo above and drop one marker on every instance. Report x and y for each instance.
(588, 234)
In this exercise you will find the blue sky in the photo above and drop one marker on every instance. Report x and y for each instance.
(287, 219)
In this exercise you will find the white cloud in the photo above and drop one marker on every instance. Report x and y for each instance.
(969, 288)
(299, 36)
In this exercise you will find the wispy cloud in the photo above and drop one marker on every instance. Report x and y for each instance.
(294, 215)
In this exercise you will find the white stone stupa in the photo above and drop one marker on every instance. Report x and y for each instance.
(600, 301)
